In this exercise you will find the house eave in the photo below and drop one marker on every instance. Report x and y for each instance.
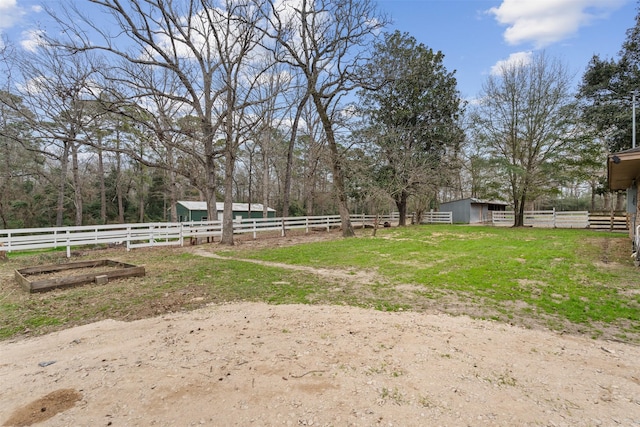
(623, 169)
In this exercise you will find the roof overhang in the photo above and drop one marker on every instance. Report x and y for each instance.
(623, 168)
(237, 207)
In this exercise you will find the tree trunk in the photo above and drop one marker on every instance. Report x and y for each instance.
(103, 189)
(309, 196)
(119, 183)
(227, 215)
(141, 195)
(230, 152)
(310, 182)
(141, 200)
(250, 183)
(336, 162)
(64, 164)
(401, 204)
(120, 199)
(77, 184)
(292, 143)
(210, 190)
(3, 217)
(607, 201)
(173, 194)
(619, 201)
(118, 179)
(519, 215)
(265, 179)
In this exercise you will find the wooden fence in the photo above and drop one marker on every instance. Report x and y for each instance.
(437, 218)
(544, 219)
(613, 221)
(165, 233)
(177, 233)
(574, 219)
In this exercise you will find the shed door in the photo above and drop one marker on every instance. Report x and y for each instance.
(475, 214)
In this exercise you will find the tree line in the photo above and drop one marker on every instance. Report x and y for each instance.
(308, 106)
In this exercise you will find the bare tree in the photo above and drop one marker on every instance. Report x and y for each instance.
(315, 156)
(273, 88)
(525, 121)
(302, 100)
(204, 45)
(324, 40)
(237, 39)
(20, 163)
(56, 87)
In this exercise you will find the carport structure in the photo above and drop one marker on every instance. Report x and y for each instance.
(623, 173)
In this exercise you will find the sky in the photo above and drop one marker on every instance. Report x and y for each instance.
(475, 36)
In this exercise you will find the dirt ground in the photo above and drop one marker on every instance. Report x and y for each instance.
(256, 364)
(253, 364)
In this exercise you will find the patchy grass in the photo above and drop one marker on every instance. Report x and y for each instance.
(576, 281)
(563, 279)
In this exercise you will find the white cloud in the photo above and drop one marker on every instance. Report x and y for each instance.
(32, 39)
(35, 85)
(517, 59)
(10, 13)
(543, 22)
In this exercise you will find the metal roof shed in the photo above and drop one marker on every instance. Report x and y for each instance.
(472, 210)
(197, 211)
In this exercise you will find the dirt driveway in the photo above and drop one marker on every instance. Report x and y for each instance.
(252, 364)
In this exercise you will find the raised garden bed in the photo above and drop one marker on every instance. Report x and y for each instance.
(47, 277)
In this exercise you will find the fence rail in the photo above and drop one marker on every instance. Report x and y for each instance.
(611, 222)
(177, 233)
(437, 218)
(573, 219)
(165, 233)
(544, 219)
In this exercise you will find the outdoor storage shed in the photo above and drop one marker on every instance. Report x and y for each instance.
(197, 211)
(472, 210)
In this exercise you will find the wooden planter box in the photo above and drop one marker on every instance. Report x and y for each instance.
(108, 270)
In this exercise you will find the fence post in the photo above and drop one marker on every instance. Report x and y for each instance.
(68, 245)
(612, 220)
(128, 238)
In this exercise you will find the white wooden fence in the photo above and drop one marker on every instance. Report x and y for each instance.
(437, 218)
(544, 219)
(164, 233)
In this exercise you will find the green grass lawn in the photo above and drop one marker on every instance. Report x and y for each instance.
(576, 281)
(564, 278)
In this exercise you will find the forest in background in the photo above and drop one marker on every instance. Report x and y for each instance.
(308, 107)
